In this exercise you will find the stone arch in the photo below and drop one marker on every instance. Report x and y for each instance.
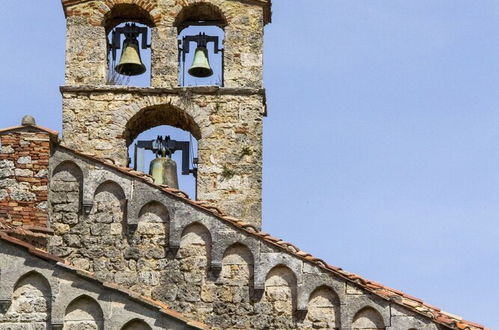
(151, 233)
(237, 274)
(154, 211)
(196, 242)
(156, 115)
(368, 319)
(323, 309)
(109, 196)
(83, 313)
(31, 300)
(200, 11)
(280, 290)
(115, 12)
(66, 186)
(136, 324)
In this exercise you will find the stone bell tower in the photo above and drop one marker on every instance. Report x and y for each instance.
(103, 119)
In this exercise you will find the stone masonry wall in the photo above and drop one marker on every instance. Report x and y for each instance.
(135, 235)
(89, 21)
(102, 121)
(24, 161)
(38, 294)
(227, 124)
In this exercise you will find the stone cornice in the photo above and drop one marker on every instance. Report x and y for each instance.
(266, 4)
(213, 90)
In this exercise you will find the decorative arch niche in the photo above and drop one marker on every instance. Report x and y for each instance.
(83, 313)
(324, 308)
(368, 318)
(31, 300)
(280, 290)
(136, 325)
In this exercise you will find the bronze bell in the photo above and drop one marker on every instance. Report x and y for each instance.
(130, 62)
(201, 65)
(164, 171)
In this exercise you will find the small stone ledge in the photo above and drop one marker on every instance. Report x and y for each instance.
(213, 90)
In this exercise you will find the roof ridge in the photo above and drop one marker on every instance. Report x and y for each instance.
(415, 304)
(52, 132)
(162, 307)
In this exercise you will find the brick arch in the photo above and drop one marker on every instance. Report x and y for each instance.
(152, 116)
(119, 11)
(199, 10)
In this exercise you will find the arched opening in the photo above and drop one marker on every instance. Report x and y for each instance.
(83, 313)
(129, 29)
(147, 125)
(201, 39)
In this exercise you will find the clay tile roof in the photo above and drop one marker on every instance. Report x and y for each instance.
(53, 134)
(163, 308)
(416, 305)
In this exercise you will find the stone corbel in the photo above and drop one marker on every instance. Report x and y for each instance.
(215, 269)
(4, 305)
(87, 207)
(57, 325)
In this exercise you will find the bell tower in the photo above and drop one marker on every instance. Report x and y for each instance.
(209, 85)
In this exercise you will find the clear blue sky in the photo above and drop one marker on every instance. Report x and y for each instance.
(381, 144)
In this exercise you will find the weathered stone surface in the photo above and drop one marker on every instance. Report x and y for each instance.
(157, 245)
(38, 294)
(103, 120)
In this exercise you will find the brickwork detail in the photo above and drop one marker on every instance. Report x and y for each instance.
(24, 160)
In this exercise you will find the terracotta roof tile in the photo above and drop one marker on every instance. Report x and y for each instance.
(40, 128)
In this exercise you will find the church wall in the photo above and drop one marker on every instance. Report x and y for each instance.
(37, 294)
(227, 124)
(226, 120)
(24, 160)
(202, 266)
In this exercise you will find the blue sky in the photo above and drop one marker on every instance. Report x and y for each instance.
(381, 151)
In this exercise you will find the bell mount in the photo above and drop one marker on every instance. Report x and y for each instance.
(131, 32)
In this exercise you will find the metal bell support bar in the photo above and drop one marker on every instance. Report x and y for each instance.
(130, 62)
(163, 147)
